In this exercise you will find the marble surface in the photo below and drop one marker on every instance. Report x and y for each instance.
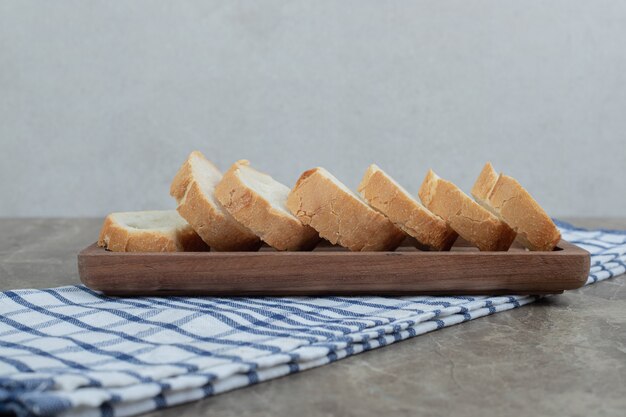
(565, 355)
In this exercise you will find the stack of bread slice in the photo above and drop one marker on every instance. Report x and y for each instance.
(193, 188)
(243, 208)
(258, 202)
(387, 196)
(339, 215)
(472, 222)
(507, 199)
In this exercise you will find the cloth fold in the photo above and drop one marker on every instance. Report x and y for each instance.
(71, 351)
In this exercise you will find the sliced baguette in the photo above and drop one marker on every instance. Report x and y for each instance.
(471, 221)
(193, 188)
(387, 196)
(257, 201)
(149, 231)
(505, 197)
(339, 215)
(483, 186)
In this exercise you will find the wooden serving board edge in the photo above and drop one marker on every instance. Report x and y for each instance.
(339, 273)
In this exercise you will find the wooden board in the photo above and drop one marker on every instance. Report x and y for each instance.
(333, 270)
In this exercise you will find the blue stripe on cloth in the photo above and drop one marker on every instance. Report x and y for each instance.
(73, 350)
(18, 365)
(175, 325)
(198, 313)
(210, 307)
(127, 337)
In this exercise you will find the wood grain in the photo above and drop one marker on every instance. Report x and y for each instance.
(331, 270)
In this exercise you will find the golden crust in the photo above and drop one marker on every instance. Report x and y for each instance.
(535, 229)
(472, 222)
(277, 229)
(484, 184)
(215, 225)
(118, 237)
(339, 216)
(382, 193)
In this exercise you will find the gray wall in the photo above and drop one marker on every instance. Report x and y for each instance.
(101, 101)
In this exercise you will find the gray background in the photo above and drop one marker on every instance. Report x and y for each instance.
(100, 102)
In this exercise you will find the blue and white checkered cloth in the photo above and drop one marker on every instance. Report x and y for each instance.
(73, 352)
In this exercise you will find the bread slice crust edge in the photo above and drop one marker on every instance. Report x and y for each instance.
(483, 186)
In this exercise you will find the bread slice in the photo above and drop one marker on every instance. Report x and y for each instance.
(483, 185)
(471, 221)
(387, 196)
(149, 231)
(339, 215)
(257, 201)
(505, 197)
(193, 188)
